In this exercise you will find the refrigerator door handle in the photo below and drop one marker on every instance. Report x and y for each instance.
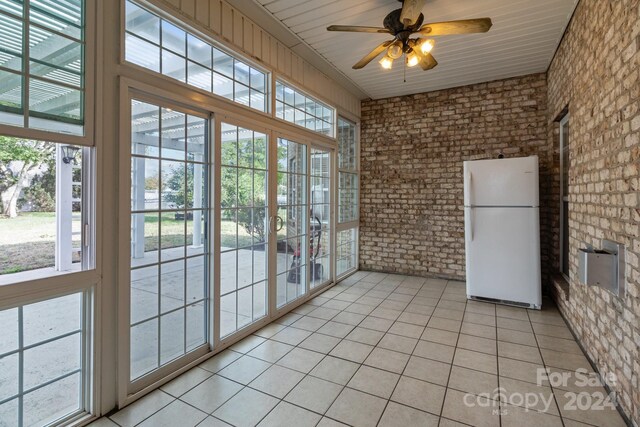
(468, 181)
(472, 220)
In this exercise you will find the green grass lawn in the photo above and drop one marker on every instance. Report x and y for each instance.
(173, 232)
(28, 241)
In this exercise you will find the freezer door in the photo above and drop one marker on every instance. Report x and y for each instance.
(503, 254)
(502, 182)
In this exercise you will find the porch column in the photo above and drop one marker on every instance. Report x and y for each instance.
(197, 202)
(138, 190)
(64, 220)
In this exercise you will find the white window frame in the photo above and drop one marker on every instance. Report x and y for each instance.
(87, 139)
(334, 112)
(87, 281)
(355, 224)
(222, 111)
(163, 13)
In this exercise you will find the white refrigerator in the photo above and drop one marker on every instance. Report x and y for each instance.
(502, 231)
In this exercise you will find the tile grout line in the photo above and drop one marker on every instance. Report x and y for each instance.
(370, 286)
(405, 367)
(320, 361)
(544, 365)
(453, 359)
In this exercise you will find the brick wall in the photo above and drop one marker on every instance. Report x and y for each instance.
(595, 74)
(412, 149)
(412, 153)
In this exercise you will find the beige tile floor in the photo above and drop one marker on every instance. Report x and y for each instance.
(385, 350)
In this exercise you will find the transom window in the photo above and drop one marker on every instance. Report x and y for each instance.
(42, 64)
(158, 45)
(302, 110)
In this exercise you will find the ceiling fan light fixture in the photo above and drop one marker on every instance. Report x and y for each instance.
(395, 50)
(386, 62)
(412, 59)
(426, 45)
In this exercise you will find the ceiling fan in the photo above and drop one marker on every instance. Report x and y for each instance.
(404, 22)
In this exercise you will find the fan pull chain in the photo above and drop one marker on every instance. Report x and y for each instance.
(404, 70)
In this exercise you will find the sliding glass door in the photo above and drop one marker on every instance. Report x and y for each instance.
(291, 222)
(229, 224)
(243, 220)
(169, 245)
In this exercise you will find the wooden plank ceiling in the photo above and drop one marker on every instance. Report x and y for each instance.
(523, 39)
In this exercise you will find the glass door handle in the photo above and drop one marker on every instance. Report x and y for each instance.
(278, 228)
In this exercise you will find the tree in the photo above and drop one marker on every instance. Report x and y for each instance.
(243, 183)
(20, 162)
(180, 196)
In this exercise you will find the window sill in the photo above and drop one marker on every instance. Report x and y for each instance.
(561, 287)
(40, 273)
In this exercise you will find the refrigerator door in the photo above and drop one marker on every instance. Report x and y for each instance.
(501, 182)
(503, 254)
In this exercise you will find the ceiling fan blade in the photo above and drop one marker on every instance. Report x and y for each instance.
(427, 61)
(411, 10)
(372, 55)
(463, 26)
(358, 29)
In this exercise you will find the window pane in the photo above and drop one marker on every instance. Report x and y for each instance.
(142, 23)
(241, 95)
(243, 223)
(144, 348)
(222, 86)
(142, 53)
(9, 412)
(145, 181)
(347, 251)
(222, 63)
(48, 319)
(172, 336)
(168, 240)
(41, 227)
(303, 110)
(199, 51)
(54, 34)
(41, 366)
(144, 293)
(9, 373)
(57, 362)
(258, 80)
(10, 43)
(10, 98)
(55, 57)
(190, 59)
(199, 76)
(63, 17)
(9, 335)
(145, 129)
(173, 65)
(173, 38)
(145, 238)
(53, 401)
(56, 102)
(13, 7)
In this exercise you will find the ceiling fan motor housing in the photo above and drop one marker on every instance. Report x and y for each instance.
(393, 23)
